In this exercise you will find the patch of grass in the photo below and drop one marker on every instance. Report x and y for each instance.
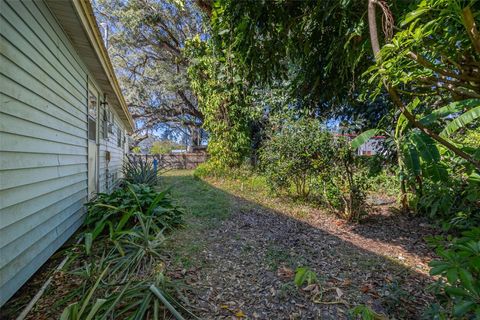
(195, 195)
(205, 206)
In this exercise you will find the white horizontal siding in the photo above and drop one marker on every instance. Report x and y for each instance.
(117, 155)
(37, 254)
(16, 160)
(43, 140)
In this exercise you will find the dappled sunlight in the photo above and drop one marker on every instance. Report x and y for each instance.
(379, 233)
(246, 258)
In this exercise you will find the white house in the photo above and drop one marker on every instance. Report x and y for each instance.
(63, 127)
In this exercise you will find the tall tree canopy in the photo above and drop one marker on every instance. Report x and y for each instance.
(146, 41)
(321, 51)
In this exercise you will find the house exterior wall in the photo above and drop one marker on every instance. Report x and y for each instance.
(114, 142)
(43, 140)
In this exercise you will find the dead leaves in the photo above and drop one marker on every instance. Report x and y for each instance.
(238, 313)
(285, 273)
(368, 289)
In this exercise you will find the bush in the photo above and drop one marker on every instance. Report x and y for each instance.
(122, 259)
(458, 288)
(454, 203)
(302, 159)
(119, 210)
(211, 169)
(295, 155)
(345, 184)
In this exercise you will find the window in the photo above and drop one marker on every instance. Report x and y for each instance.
(92, 104)
(119, 137)
(92, 115)
(92, 129)
(105, 123)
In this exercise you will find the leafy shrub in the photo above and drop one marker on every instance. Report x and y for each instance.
(458, 288)
(139, 170)
(295, 154)
(123, 258)
(345, 184)
(455, 202)
(121, 209)
(302, 159)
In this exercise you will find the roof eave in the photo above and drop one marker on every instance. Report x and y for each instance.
(94, 53)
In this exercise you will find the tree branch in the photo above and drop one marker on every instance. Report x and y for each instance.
(372, 23)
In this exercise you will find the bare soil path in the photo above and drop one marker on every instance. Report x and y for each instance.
(241, 247)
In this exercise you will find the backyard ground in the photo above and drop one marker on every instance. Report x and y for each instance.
(240, 248)
(237, 256)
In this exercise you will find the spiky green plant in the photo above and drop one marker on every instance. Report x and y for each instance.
(139, 170)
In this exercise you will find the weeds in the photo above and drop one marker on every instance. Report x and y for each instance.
(304, 275)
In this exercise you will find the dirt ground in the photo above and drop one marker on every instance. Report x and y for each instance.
(243, 264)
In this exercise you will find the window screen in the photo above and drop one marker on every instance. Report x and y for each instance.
(119, 137)
(92, 129)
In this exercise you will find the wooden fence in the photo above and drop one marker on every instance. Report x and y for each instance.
(174, 160)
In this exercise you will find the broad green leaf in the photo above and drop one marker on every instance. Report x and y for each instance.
(413, 15)
(452, 275)
(98, 304)
(430, 156)
(449, 109)
(402, 122)
(410, 155)
(438, 269)
(363, 137)
(460, 122)
(454, 291)
(466, 278)
(461, 308)
(88, 242)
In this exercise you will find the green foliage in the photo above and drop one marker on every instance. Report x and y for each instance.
(120, 210)
(78, 310)
(364, 312)
(304, 275)
(295, 154)
(455, 203)
(299, 155)
(314, 47)
(223, 99)
(164, 147)
(345, 185)
(458, 288)
(211, 169)
(139, 170)
(362, 138)
(428, 61)
(124, 235)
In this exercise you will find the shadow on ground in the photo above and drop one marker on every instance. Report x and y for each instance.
(238, 256)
